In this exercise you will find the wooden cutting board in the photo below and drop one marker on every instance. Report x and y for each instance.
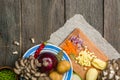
(92, 48)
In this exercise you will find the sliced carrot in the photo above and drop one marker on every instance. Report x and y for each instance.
(70, 48)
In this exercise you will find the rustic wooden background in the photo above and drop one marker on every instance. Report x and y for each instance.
(21, 20)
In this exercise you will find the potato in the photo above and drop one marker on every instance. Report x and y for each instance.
(55, 76)
(63, 66)
(92, 74)
(99, 64)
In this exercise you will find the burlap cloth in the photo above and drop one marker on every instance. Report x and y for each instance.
(78, 21)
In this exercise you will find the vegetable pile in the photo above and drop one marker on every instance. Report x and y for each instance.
(6, 74)
(28, 69)
(44, 66)
(75, 46)
(112, 71)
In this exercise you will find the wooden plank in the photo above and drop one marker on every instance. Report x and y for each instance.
(91, 47)
(92, 10)
(112, 22)
(9, 31)
(39, 19)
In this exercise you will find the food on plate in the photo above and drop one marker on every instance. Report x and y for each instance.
(85, 58)
(7, 74)
(92, 74)
(76, 77)
(28, 69)
(112, 71)
(48, 61)
(63, 66)
(42, 66)
(54, 75)
(99, 64)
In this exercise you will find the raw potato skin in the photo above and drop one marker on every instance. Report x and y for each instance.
(63, 66)
(92, 74)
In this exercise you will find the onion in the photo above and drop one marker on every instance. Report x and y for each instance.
(48, 60)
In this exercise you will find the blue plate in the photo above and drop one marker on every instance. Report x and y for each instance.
(54, 49)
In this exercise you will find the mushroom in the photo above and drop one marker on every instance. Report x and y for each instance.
(112, 71)
(117, 77)
(28, 69)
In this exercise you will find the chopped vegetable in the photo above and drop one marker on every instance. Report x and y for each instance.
(6, 74)
(70, 48)
(77, 41)
(76, 77)
(85, 58)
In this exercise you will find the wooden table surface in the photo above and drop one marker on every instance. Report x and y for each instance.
(21, 20)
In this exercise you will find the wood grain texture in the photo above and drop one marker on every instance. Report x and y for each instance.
(39, 19)
(21, 20)
(9, 30)
(92, 10)
(112, 22)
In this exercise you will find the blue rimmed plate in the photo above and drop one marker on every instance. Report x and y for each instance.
(54, 49)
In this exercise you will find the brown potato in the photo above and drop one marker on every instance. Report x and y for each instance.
(63, 66)
(55, 76)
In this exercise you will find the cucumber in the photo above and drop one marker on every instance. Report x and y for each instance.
(76, 77)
